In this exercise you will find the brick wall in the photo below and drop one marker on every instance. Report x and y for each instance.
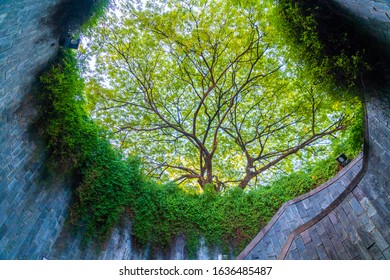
(32, 204)
(270, 241)
(359, 228)
(357, 224)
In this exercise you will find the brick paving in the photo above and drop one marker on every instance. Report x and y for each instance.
(270, 240)
(359, 227)
(32, 205)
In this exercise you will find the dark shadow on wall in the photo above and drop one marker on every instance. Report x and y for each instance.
(340, 31)
(69, 15)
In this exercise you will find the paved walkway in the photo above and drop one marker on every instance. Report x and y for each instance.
(33, 205)
(359, 228)
(357, 224)
(269, 242)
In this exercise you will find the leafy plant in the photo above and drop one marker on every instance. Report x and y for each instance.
(78, 144)
(75, 16)
(204, 94)
(112, 185)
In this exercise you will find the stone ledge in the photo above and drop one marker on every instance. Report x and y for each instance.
(305, 200)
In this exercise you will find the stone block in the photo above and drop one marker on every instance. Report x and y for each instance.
(306, 237)
(294, 255)
(367, 223)
(293, 225)
(376, 253)
(357, 208)
(329, 248)
(333, 218)
(344, 181)
(351, 249)
(301, 209)
(335, 193)
(306, 204)
(386, 254)
(277, 247)
(364, 237)
(364, 254)
(359, 194)
(3, 230)
(321, 252)
(380, 206)
(293, 209)
(299, 243)
(270, 252)
(342, 253)
(341, 231)
(354, 219)
(314, 236)
(311, 251)
(382, 227)
(379, 240)
(346, 207)
(282, 238)
(315, 205)
(367, 205)
(304, 254)
(328, 226)
(323, 203)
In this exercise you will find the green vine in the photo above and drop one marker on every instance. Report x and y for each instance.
(112, 186)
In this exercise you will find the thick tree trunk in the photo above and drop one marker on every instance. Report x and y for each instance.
(209, 171)
(245, 181)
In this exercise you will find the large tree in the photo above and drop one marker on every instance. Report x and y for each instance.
(199, 90)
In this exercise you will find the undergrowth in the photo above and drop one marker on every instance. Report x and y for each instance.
(112, 186)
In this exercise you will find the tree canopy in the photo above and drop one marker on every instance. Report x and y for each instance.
(203, 92)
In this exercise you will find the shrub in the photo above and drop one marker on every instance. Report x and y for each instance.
(80, 146)
(112, 185)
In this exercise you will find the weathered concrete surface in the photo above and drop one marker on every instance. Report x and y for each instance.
(120, 247)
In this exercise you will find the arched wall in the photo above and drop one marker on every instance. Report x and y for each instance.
(356, 225)
(34, 204)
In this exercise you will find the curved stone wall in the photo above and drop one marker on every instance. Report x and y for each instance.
(356, 225)
(34, 203)
(268, 244)
(359, 227)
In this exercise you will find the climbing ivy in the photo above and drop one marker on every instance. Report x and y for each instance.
(112, 186)
(80, 146)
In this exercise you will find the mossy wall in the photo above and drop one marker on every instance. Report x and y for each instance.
(34, 203)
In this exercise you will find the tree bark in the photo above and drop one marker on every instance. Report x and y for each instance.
(245, 181)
